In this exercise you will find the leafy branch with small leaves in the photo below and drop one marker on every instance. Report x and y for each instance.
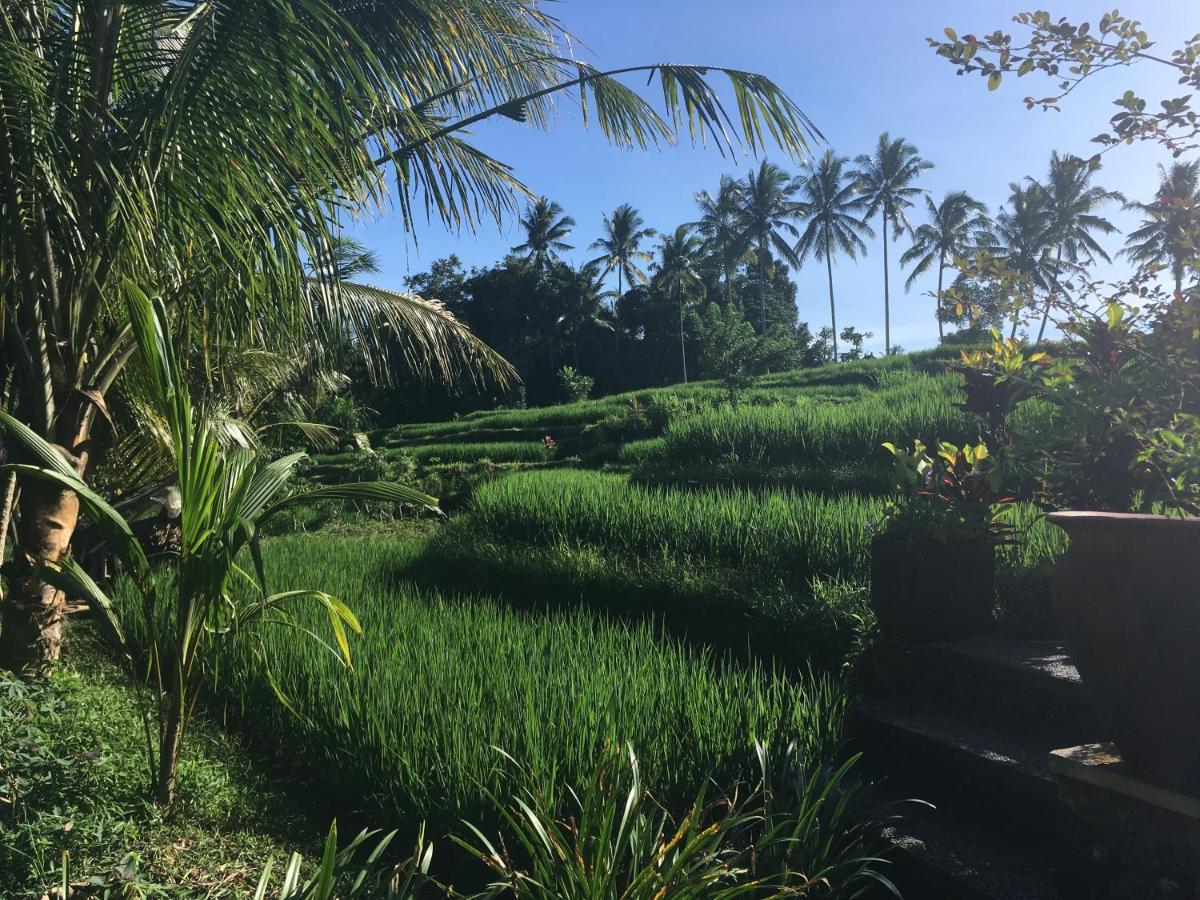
(1069, 54)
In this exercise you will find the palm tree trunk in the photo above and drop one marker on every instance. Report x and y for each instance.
(33, 611)
(887, 312)
(1050, 299)
(682, 345)
(938, 308)
(762, 287)
(832, 308)
(6, 508)
(170, 742)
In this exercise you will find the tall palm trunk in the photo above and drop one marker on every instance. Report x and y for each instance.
(832, 307)
(887, 309)
(938, 308)
(762, 287)
(7, 500)
(682, 345)
(33, 611)
(1050, 299)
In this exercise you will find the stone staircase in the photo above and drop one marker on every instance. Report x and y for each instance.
(969, 728)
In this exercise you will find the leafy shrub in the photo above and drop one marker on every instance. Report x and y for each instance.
(574, 385)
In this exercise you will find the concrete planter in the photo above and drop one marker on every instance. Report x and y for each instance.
(1127, 595)
(931, 591)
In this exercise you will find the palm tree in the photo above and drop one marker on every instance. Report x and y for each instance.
(768, 210)
(622, 241)
(545, 229)
(719, 225)
(953, 224)
(1166, 236)
(885, 181)
(224, 495)
(1023, 238)
(144, 142)
(1073, 201)
(829, 204)
(676, 275)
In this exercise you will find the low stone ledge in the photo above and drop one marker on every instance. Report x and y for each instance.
(1146, 837)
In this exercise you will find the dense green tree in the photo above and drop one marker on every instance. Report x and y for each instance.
(829, 206)
(624, 232)
(730, 348)
(954, 224)
(676, 276)
(582, 307)
(546, 229)
(1073, 201)
(886, 183)
(767, 220)
(1169, 236)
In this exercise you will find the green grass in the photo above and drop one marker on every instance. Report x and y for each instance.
(804, 535)
(500, 452)
(73, 780)
(441, 679)
(851, 430)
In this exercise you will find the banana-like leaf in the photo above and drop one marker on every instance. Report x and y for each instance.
(67, 575)
(384, 491)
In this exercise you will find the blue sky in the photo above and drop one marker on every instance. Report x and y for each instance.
(857, 67)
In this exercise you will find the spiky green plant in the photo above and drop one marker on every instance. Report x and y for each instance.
(224, 495)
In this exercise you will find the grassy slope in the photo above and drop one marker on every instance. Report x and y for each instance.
(440, 680)
(75, 749)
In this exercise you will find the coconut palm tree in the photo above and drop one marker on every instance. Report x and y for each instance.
(1073, 202)
(545, 229)
(224, 494)
(622, 241)
(768, 213)
(1168, 235)
(676, 275)
(1023, 238)
(829, 204)
(719, 225)
(885, 182)
(954, 223)
(149, 142)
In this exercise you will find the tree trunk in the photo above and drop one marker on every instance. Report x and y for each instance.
(6, 507)
(832, 308)
(31, 621)
(938, 313)
(887, 311)
(682, 345)
(762, 288)
(168, 750)
(1050, 299)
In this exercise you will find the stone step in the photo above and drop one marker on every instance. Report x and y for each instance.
(969, 761)
(1020, 683)
(939, 855)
